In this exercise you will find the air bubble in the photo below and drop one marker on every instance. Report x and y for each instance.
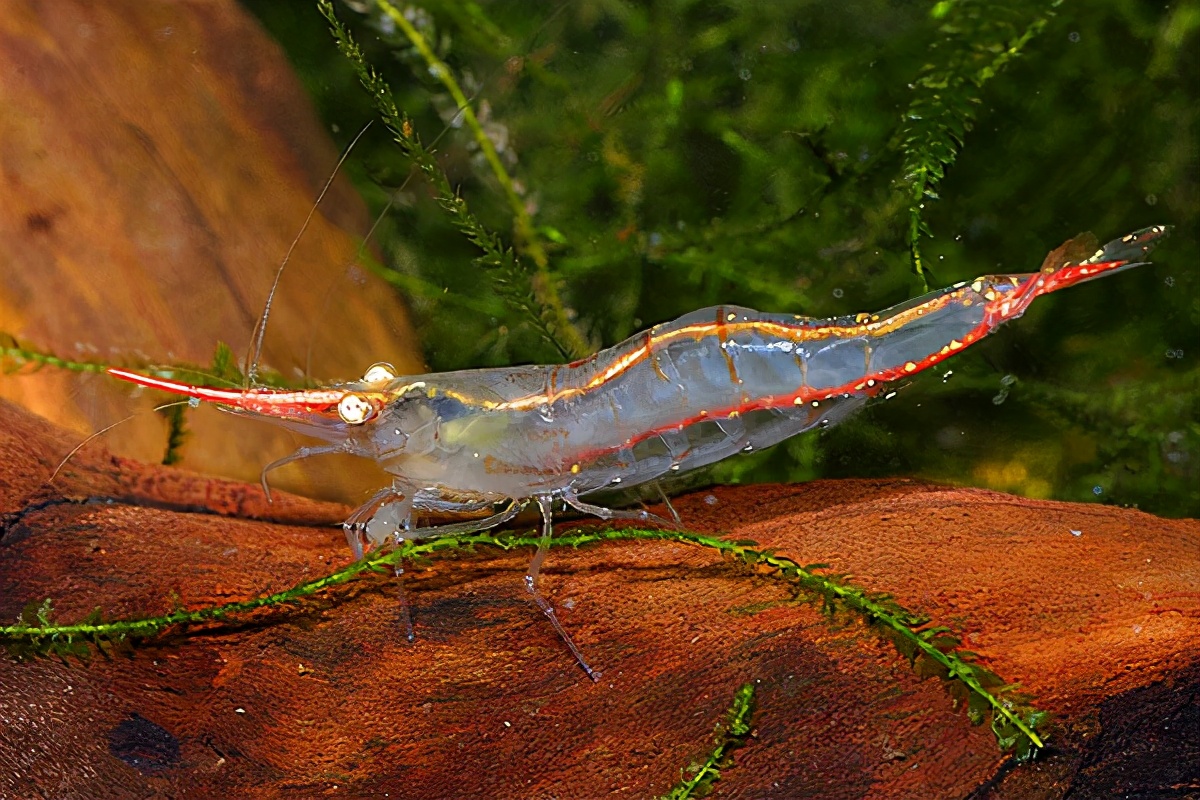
(1008, 380)
(1151, 199)
(193, 402)
(1073, 36)
(1000, 397)
(710, 500)
(838, 293)
(745, 74)
(1097, 490)
(1169, 281)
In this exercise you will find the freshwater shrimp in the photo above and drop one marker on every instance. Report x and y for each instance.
(678, 396)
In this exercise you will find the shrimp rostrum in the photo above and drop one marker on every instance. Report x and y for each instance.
(678, 396)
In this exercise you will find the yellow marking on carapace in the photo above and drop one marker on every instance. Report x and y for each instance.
(910, 367)
(723, 343)
(649, 345)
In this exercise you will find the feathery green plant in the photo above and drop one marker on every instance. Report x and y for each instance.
(534, 294)
(931, 650)
(731, 733)
(977, 38)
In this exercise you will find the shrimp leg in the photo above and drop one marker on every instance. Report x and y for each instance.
(355, 526)
(531, 580)
(303, 452)
(642, 515)
(670, 506)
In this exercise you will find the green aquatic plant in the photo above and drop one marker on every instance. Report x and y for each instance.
(533, 295)
(731, 733)
(975, 40)
(933, 651)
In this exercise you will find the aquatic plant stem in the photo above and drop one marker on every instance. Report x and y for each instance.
(875, 607)
(527, 238)
(20, 356)
(730, 734)
(943, 107)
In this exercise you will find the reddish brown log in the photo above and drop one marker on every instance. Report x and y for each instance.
(329, 699)
(156, 162)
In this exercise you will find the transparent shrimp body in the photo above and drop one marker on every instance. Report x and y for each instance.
(681, 395)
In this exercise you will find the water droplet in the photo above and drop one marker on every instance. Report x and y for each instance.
(946, 377)
(748, 448)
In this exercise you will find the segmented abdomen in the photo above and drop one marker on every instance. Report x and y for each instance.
(725, 379)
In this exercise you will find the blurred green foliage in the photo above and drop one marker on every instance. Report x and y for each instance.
(674, 154)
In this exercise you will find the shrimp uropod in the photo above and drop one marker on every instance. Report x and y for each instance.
(681, 395)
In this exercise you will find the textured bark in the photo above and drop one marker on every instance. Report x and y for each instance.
(328, 698)
(156, 162)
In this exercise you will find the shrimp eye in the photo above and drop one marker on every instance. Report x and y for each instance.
(354, 409)
(380, 373)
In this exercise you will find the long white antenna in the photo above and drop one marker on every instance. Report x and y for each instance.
(103, 431)
(260, 329)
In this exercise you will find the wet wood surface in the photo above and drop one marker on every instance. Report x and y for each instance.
(1092, 609)
(156, 162)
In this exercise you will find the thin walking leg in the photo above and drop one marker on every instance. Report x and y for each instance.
(671, 508)
(612, 513)
(531, 579)
(401, 534)
(405, 615)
